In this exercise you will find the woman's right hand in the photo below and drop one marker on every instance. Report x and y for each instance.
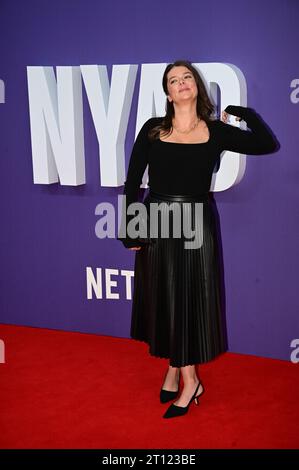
(224, 117)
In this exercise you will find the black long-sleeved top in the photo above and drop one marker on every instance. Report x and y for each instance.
(187, 168)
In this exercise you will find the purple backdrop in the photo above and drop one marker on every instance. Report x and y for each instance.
(47, 232)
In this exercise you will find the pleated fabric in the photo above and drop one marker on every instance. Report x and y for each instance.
(176, 305)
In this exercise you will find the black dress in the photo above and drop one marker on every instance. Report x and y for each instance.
(176, 307)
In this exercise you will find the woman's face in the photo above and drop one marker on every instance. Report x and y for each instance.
(181, 85)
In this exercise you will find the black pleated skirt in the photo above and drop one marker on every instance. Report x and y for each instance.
(176, 307)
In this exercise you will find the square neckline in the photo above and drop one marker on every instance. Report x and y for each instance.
(190, 143)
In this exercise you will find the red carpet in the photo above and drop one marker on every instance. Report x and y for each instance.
(72, 390)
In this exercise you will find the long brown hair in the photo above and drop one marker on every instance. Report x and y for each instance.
(204, 107)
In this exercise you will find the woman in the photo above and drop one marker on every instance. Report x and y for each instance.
(177, 300)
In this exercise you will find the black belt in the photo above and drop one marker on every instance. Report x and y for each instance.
(180, 197)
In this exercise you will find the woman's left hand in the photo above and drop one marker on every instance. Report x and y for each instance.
(224, 117)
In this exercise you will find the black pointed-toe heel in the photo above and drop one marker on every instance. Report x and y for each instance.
(166, 395)
(173, 411)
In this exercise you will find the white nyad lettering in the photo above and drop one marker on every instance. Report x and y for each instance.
(56, 117)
